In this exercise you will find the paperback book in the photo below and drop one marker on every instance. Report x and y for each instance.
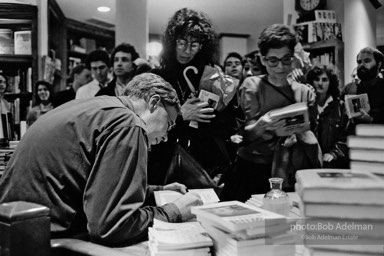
(295, 118)
(353, 104)
(340, 186)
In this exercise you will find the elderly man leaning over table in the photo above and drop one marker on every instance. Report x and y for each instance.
(87, 162)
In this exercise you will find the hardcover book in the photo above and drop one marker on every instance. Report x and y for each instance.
(234, 216)
(367, 142)
(207, 195)
(363, 154)
(295, 118)
(370, 130)
(375, 167)
(353, 104)
(340, 186)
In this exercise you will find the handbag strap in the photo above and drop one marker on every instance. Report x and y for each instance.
(277, 89)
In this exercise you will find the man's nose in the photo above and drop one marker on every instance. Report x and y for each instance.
(249, 73)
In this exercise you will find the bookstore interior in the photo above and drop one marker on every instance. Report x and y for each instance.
(336, 212)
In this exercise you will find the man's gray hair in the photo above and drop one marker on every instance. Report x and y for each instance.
(145, 85)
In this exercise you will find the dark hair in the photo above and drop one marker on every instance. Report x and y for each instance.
(145, 85)
(187, 22)
(233, 55)
(127, 48)
(97, 55)
(377, 55)
(77, 70)
(255, 60)
(36, 98)
(316, 71)
(276, 36)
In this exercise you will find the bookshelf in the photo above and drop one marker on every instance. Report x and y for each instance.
(18, 56)
(329, 52)
(72, 40)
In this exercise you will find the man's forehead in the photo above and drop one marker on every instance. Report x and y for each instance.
(97, 64)
(365, 55)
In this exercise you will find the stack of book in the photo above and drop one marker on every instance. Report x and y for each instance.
(366, 148)
(343, 210)
(175, 239)
(240, 229)
(5, 155)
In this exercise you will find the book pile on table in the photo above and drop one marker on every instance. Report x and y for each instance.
(366, 148)
(240, 229)
(175, 239)
(343, 210)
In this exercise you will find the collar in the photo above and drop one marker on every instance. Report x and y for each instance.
(320, 109)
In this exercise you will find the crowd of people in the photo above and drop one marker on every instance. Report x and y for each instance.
(102, 141)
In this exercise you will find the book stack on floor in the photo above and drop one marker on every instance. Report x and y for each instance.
(240, 229)
(175, 239)
(343, 210)
(366, 148)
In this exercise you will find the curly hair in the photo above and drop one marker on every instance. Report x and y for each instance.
(189, 23)
(276, 36)
(316, 71)
(377, 55)
(145, 85)
(127, 48)
(36, 97)
(97, 55)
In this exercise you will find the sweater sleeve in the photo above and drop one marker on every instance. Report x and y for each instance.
(116, 190)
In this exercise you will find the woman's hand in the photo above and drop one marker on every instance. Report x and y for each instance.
(196, 110)
(328, 157)
(365, 117)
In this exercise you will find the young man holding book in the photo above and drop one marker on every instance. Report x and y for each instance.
(259, 95)
(87, 162)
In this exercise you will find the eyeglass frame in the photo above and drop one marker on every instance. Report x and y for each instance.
(183, 44)
(282, 60)
(173, 124)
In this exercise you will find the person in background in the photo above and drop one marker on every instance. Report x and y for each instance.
(80, 75)
(369, 63)
(125, 61)
(252, 65)
(233, 66)
(190, 41)
(87, 162)
(4, 104)
(42, 99)
(332, 120)
(259, 95)
(98, 62)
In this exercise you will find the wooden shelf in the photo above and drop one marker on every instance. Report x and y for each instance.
(19, 58)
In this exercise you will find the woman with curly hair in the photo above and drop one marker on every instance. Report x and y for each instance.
(332, 121)
(190, 46)
(42, 101)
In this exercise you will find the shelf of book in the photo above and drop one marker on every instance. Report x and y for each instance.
(330, 53)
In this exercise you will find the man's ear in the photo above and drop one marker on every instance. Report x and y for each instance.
(154, 102)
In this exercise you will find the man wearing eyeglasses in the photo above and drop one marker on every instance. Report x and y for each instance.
(87, 162)
(259, 95)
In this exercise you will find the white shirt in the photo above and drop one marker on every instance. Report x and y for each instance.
(88, 90)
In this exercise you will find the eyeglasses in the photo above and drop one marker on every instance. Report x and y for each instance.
(274, 61)
(182, 45)
(171, 124)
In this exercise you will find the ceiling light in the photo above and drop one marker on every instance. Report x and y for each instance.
(103, 9)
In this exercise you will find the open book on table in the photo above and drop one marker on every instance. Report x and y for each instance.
(207, 195)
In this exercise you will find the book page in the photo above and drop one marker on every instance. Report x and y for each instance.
(207, 195)
(353, 104)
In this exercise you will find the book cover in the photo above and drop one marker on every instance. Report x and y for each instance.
(367, 142)
(23, 42)
(295, 118)
(339, 186)
(375, 167)
(363, 154)
(370, 130)
(6, 41)
(353, 104)
(207, 195)
(234, 216)
(211, 98)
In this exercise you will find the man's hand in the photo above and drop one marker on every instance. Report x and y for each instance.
(196, 110)
(327, 157)
(176, 187)
(185, 203)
